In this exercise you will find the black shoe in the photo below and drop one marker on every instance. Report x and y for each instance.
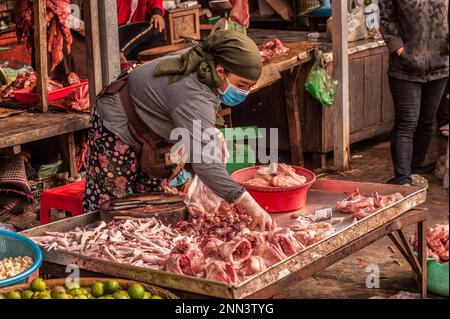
(400, 181)
(424, 169)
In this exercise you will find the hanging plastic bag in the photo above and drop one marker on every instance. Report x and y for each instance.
(319, 83)
(356, 28)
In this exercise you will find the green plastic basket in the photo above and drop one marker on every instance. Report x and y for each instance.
(437, 277)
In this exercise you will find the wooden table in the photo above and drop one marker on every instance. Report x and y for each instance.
(348, 238)
(393, 230)
(29, 127)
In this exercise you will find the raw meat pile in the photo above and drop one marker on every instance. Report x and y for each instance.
(134, 241)
(23, 80)
(276, 175)
(271, 49)
(77, 100)
(437, 243)
(224, 249)
(248, 253)
(210, 216)
(57, 19)
(360, 206)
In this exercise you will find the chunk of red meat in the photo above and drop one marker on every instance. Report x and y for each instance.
(185, 258)
(272, 253)
(272, 48)
(253, 265)
(384, 201)
(284, 238)
(308, 233)
(78, 99)
(72, 79)
(221, 271)
(355, 197)
(240, 12)
(236, 251)
(211, 247)
(256, 239)
(437, 242)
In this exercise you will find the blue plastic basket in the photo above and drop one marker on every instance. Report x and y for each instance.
(13, 245)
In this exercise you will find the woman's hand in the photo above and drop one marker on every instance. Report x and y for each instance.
(400, 51)
(261, 219)
(158, 22)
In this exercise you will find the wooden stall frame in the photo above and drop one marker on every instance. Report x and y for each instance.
(40, 52)
(341, 105)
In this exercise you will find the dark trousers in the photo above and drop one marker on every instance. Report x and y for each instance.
(442, 113)
(415, 105)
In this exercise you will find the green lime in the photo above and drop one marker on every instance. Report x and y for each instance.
(84, 291)
(38, 284)
(2, 296)
(13, 294)
(61, 296)
(156, 297)
(111, 286)
(147, 295)
(45, 295)
(80, 297)
(36, 295)
(71, 285)
(98, 289)
(122, 294)
(57, 290)
(136, 291)
(76, 292)
(26, 294)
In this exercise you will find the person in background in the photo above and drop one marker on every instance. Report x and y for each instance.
(140, 23)
(130, 11)
(416, 33)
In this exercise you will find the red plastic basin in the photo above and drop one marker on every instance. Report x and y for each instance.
(277, 199)
(25, 96)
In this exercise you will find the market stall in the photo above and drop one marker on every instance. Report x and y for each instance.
(160, 239)
(371, 107)
(349, 237)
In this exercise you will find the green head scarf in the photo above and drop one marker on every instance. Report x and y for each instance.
(234, 51)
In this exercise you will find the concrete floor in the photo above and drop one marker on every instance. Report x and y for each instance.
(346, 279)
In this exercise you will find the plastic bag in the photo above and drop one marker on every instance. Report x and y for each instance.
(319, 83)
(356, 28)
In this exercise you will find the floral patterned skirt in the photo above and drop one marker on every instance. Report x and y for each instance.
(112, 168)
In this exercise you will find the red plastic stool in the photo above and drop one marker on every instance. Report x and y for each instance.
(67, 197)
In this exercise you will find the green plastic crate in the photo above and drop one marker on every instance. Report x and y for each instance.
(241, 151)
(241, 155)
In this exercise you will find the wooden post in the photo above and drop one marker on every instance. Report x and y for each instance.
(340, 72)
(290, 81)
(40, 52)
(68, 151)
(94, 62)
(109, 35)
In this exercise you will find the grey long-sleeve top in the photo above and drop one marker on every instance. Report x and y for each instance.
(164, 107)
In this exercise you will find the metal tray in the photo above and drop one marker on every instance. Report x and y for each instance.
(324, 193)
